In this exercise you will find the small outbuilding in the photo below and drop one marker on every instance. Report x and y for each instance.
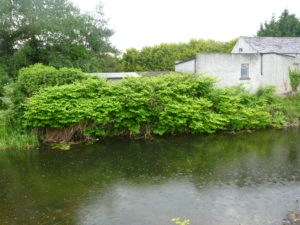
(254, 62)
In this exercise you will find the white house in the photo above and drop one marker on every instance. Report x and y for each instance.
(253, 62)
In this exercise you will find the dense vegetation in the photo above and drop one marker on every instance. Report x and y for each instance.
(295, 79)
(12, 138)
(53, 32)
(4, 79)
(162, 57)
(38, 76)
(14, 95)
(34, 78)
(169, 104)
(287, 25)
(66, 104)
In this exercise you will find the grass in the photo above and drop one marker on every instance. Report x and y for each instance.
(12, 138)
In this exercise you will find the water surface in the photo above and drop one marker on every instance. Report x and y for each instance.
(246, 178)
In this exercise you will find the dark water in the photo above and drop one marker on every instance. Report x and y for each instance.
(247, 178)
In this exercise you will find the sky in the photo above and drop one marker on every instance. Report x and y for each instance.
(140, 23)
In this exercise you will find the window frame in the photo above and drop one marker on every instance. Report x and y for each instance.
(245, 68)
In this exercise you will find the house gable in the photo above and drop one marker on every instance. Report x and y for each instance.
(188, 66)
(242, 46)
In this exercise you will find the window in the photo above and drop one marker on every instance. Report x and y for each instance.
(245, 72)
(240, 50)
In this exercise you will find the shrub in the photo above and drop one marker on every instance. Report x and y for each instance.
(244, 110)
(4, 79)
(295, 79)
(35, 77)
(291, 109)
(170, 104)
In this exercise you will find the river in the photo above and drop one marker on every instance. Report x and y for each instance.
(249, 178)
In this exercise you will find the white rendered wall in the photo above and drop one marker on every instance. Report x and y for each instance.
(276, 72)
(264, 69)
(227, 69)
(296, 64)
(188, 66)
(241, 43)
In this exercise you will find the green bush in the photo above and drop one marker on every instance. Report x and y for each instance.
(4, 79)
(167, 104)
(295, 79)
(35, 77)
(292, 109)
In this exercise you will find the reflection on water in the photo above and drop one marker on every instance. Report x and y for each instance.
(214, 204)
(247, 178)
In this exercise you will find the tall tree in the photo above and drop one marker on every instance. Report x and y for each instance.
(288, 25)
(162, 57)
(53, 32)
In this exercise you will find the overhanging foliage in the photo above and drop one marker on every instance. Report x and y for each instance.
(167, 104)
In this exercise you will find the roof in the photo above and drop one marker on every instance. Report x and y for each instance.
(183, 61)
(154, 73)
(122, 75)
(281, 45)
(115, 75)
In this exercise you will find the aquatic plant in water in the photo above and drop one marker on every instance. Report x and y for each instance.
(177, 221)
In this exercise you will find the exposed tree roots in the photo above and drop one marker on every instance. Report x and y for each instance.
(67, 134)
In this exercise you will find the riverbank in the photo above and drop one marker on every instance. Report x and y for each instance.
(12, 137)
(175, 104)
(88, 109)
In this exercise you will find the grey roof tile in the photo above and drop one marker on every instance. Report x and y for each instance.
(281, 45)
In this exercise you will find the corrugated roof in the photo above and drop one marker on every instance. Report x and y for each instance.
(282, 45)
(115, 75)
(129, 74)
(154, 73)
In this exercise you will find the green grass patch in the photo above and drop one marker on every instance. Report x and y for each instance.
(11, 137)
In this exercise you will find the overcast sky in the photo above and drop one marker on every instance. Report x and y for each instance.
(139, 23)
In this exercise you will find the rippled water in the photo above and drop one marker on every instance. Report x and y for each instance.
(246, 178)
